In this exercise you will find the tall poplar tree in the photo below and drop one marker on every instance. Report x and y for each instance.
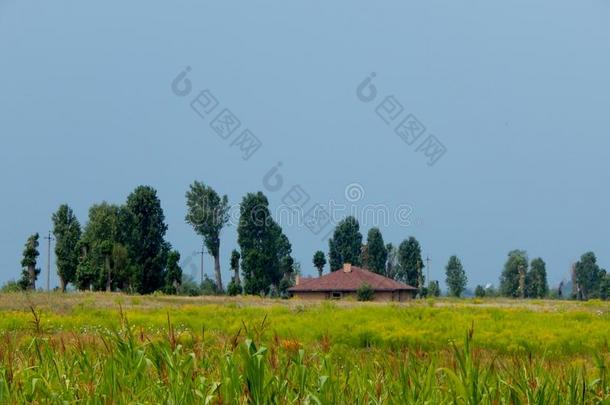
(67, 232)
(30, 273)
(377, 252)
(208, 213)
(346, 244)
(410, 263)
(514, 268)
(456, 276)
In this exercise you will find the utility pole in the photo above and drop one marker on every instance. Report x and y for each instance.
(202, 253)
(49, 238)
(420, 281)
(428, 268)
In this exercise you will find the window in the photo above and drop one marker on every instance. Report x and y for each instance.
(336, 295)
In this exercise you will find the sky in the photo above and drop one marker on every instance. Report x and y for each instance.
(515, 93)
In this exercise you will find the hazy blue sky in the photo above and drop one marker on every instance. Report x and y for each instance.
(518, 92)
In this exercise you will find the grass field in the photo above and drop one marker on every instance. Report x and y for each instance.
(107, 348)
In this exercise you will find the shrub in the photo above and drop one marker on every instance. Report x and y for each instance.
(208, 287)
(434, 289)
(234, 289)
(286, 283)
(365, 293)
(479, 292)
(11, 286)
(188, 287)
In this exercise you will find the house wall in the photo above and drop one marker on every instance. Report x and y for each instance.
(406, 295)
(385, 296)
(311, 295)
(382, 296)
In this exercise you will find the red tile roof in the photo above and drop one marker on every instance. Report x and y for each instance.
(342, 281)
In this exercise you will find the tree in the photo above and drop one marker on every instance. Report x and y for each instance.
(118, 267)
(479, 291)
(456, 276)
(377, 252)
(235, 257)
(233, 288)
(261, 244)
(512, 280)
(283, 250)
(67, 232)
(345, 245)
(410, 262)
(173, 273)
(11, 286)
(319, 261)
(29, 274)
(188, 286)
(365, 293)
(491, 291)
(143, 223)
(99, 237)
(604, 287)
(391, 267)
(588, 276)
(364, 256)
(537, 285)
(208, 213)
(209, 287)
(434, 289)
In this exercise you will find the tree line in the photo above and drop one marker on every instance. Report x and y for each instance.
(403, 262)
(123, 248)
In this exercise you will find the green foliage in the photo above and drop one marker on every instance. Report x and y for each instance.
(392, 267)
(287, 282)
(516, 264)
(235, 257)
(101, 233)
(365, 293)
(479, 291)
(434, 289)
(537, 285)
(234, 289)
(345, 245)
(11, 286)
(244, 351)
(173, 273)
(491, 291)
(67, 232)
(188, 287)
(144, 237)
(376, 252)
(410, 263)
(187, 368)
(208, 286)
(456, 276)
(30, 273)
(208, 213)
(588, 276)
(265, 250)
(319, 261)
(604, 287)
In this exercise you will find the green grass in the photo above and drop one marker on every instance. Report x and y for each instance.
(97, 348)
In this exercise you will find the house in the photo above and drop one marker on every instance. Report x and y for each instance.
(344, 283)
